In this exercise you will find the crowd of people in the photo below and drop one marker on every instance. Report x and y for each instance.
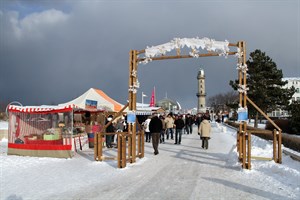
(159, 128)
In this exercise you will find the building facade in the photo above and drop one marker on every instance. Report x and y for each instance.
(169, 105)
(291, 82)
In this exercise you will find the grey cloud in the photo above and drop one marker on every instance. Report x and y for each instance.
(91, 47)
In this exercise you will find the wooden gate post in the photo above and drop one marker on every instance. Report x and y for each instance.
(143, 144)
(139, 143)
(123, 153)
(119, 156)
(240, 145)
(274, 145)
(244, 150)
(98, 146)
(243, 100)
(249, 150)
(133, 85)
(279, 146)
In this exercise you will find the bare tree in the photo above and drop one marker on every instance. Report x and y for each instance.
(223, 101)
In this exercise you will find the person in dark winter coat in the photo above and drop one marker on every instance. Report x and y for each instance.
(162, 132)
(189, 124)
(179, 125)
(109, 129)
(199, 120)
(155, 128)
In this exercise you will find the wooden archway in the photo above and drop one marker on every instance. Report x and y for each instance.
(210, 48)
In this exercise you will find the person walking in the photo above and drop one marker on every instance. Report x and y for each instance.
(146, 128)
(163, 130)
(169, 125)
(179, 125)
(198, 120)
(189, 124)
(109, 129)
(205, 131)
(155, 128)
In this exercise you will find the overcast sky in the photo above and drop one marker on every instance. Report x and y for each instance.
(52, 51)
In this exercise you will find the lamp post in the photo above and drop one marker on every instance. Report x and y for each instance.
(143, 95)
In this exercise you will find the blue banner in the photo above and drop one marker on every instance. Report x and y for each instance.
(131, 117)
(242, 115)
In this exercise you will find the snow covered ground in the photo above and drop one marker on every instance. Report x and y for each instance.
(183, 171)
(3, 125)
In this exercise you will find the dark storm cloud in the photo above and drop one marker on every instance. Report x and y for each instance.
(53, 51)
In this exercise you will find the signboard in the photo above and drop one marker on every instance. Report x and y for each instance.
(242, 115)
(90, 104)
(131, 116)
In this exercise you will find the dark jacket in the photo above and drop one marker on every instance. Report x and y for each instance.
(155, 125)
(189, 121)
(179, 123)
(110, 128)
(198, 120)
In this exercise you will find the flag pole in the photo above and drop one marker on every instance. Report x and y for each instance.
(142, 99)
(154, 96)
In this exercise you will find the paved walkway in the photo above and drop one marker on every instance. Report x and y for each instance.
(187, 171)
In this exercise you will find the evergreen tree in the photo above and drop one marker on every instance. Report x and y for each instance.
(265, 83)
(294, 109)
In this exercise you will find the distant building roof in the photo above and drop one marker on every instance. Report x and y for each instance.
(168, 104)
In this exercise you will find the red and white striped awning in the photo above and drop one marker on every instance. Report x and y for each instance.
(41, 109)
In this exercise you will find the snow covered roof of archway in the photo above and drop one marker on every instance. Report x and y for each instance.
(220, 47)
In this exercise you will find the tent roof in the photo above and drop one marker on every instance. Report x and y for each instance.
(102, 100)
(42, 108)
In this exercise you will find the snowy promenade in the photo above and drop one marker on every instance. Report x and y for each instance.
(183, 171)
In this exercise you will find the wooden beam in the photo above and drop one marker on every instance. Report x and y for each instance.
(265, 132)
(233, 44)
(261, 158)
(115, 116)
(184, 56)
(119, 156)
(292, 155)
(275, 145)
(123, 156)
(261, 112)
(249, 151)
(279, 146)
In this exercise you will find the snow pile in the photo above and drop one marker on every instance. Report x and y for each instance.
(194, 43)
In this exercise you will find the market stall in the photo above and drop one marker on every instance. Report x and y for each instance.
(51, 131)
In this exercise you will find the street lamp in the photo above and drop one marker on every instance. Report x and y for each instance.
(143, 95)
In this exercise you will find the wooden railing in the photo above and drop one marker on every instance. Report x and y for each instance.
(244, 141)
(124, 147)
(126, 152)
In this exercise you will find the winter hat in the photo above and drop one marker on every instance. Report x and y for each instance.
(110, 117)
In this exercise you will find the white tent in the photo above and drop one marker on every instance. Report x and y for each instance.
(96, 99)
